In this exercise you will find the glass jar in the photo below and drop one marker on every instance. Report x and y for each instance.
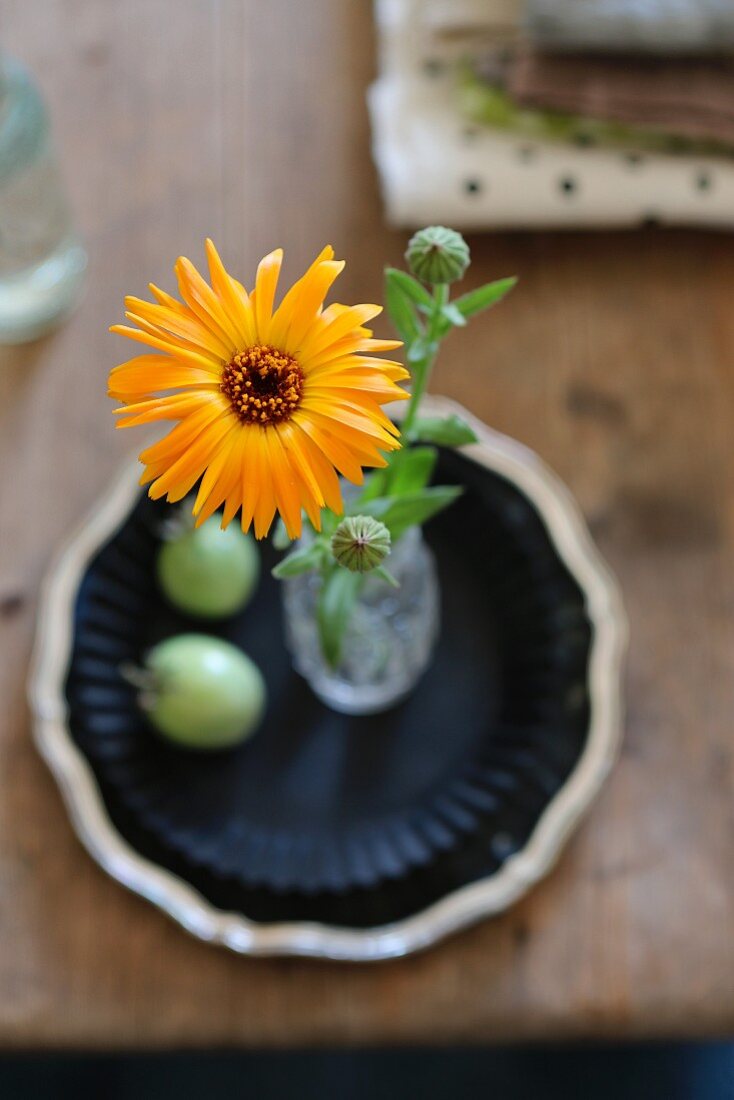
(41, 259)
(389, 639)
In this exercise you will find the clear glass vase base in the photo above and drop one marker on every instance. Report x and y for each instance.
(388, 642)
(34, 300)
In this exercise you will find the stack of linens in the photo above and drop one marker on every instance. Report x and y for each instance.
(524, 113)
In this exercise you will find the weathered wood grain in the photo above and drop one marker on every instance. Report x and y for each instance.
(614, 359)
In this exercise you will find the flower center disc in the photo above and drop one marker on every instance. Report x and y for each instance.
(263, 384)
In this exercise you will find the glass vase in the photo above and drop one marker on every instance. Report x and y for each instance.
(389, 639)
(42, 261)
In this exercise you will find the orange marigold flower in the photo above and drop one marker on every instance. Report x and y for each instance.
(270, 403)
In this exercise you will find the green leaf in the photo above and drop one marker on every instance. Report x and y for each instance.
(300, 561)
(413, 509)
(453, 315)
(416, 351)
(446, 431)
(280, 537)
(336, 601)
(411, 470)
(329, 521)
(483, 297)
(374, 485)
(410, 287)
(420, 350)
(402, 312)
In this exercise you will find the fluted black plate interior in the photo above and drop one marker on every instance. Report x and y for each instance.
(355, 821)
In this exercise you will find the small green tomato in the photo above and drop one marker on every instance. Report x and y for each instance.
(202, 692)
(208, 572)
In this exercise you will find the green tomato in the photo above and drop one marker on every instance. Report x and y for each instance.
(204, 693)
(208, 572)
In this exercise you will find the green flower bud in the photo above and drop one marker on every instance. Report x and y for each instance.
(360, 543)
(437, 255)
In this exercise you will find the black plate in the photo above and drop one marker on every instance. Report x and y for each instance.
(326, 817)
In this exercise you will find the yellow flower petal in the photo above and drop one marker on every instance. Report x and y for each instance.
(324, 335)
(173, 445)
(232, 478)
(183, 329)
(265, 503)
(296, 317)
(180, 477)
(144, 373)
(269, 405)
(285, 486)
(202, 301)
(266, 282)
(212, 489)
(233, 296)
(178, 351)
(250, 475)
(321, 468)
(175, 406)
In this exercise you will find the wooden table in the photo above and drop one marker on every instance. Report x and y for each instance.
(614, 360)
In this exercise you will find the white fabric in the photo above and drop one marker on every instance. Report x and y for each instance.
(434, 168)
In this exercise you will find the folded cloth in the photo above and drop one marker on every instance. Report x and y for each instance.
(689, 97)
(470, 15)
(483, 98)
(469, 18)
(465, 28)
(436, 169)
(646, 26)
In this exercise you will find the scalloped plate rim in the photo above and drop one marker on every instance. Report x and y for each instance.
(458, 909)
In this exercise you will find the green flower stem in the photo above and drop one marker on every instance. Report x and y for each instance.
(423, 367)
(399, 495)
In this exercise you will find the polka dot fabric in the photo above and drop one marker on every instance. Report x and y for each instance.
(434, 167)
